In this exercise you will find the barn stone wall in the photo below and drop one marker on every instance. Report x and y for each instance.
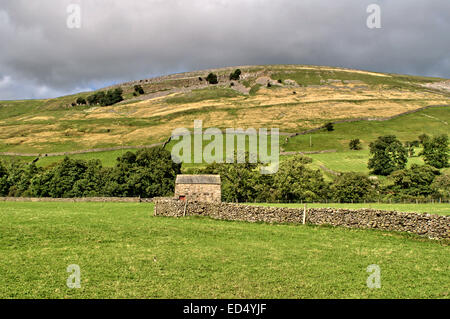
(432, 226)
(199, 192)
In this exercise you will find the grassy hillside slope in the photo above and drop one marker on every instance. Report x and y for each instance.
(299, 98)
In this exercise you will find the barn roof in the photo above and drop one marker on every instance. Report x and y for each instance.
(198, 179)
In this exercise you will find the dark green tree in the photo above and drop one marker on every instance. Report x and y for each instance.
(239, 180)
(423, 138)
(414, 181)
(436, 151)
(410, 147)
(81, 101)
(388, 155)
(441, 185)
(212, 78)
(329, 127)
(4, 185)
(20, 175)
(235, 75)
(352, 187)
(295, 182)
(355, 144)
(138, 89)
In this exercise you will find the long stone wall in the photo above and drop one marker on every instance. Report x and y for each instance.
(84, 199)
(432, 226)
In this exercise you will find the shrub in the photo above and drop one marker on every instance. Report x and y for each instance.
(355, 144)
(138, 89)
(212, 78)
(235, 75)
(81, 101)
(329, 127)
(104, 99)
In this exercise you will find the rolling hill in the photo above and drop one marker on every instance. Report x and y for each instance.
(294, 98)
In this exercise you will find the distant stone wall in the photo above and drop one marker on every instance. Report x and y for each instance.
(432, 226)
(84, 199)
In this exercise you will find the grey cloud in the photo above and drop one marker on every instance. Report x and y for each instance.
(125, 40)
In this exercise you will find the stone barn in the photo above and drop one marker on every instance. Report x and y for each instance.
(202, 188)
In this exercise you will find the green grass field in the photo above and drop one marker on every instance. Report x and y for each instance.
(406, 128)
(438, 209)
(125, 252)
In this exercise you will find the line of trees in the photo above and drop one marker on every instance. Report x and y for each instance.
(295, 181)
(151, 173)
(146, 173)
(102, 98)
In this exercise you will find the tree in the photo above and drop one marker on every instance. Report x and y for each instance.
(4, 185)
(148, 173)
(329, 127)
(107, 98)
(212, 78)
(235, 75)
(138, 89)
(81, 101)
(410, 145)
(352, 187)
(414, 181)
(295, 182)
(436, 151)
(388, 155)
(239, 180)
(96, 98)
(112, 97)
(58, 182)
(441, 185)
(355, 144)
(20, 175)
(423, 138)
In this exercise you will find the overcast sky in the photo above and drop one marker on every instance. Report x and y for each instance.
(40, 56)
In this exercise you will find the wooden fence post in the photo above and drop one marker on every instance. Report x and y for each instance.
(304, 215)
(184, 212)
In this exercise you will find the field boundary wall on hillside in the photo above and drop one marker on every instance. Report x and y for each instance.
(432, 226)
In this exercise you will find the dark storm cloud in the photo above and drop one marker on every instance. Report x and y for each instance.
(125, 40)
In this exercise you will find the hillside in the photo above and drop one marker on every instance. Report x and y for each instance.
(298, 98)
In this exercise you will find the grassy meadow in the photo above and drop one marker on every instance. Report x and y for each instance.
(125, 252)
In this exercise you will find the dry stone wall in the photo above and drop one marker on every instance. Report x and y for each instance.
(432, 226)
(84, 199)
